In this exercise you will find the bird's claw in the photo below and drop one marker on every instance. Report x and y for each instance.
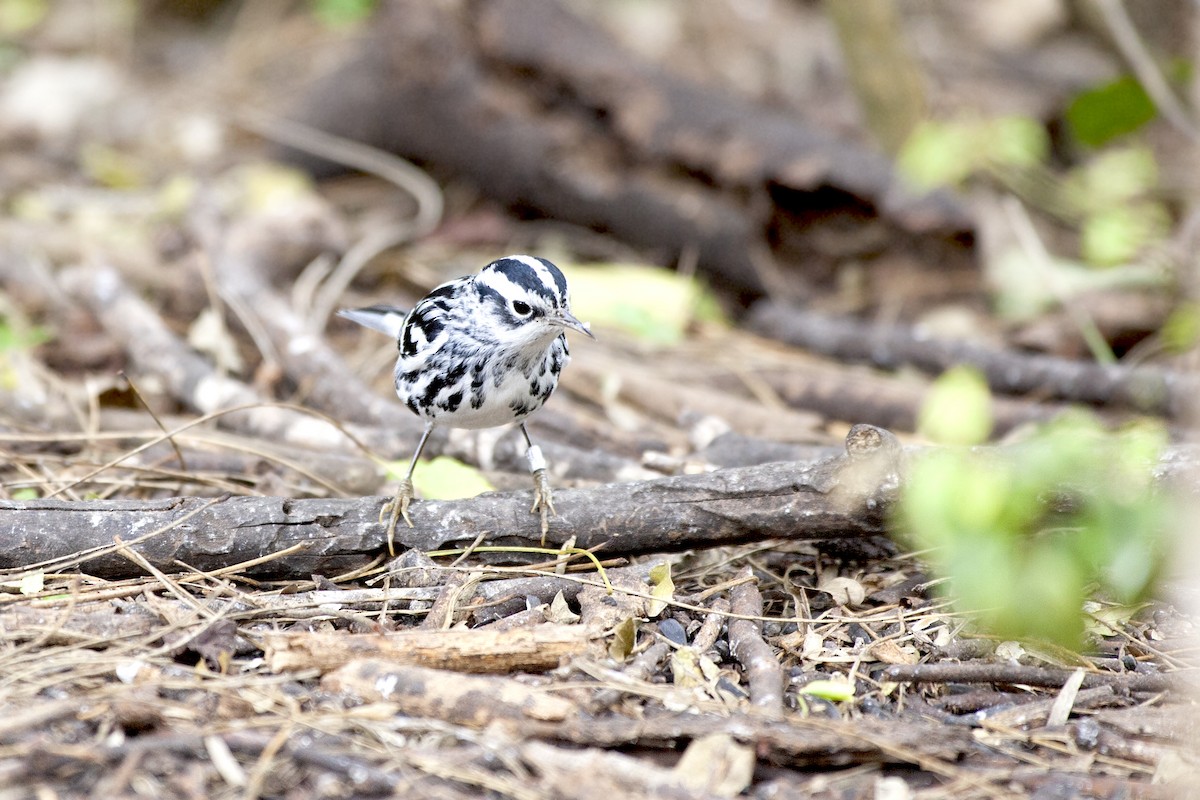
(543, 501)
(394, 509)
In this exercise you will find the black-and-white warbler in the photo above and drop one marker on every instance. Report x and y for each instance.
(477, 352)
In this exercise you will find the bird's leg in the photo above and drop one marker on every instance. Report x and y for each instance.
(543, 498)
(397, 507)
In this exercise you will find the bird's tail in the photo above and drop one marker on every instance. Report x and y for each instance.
(385, 319)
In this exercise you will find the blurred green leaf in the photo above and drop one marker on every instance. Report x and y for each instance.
(1097, 116)
(31, 206)
(655, 305)
(1023, 533)
(1118, 234)
(13, 338)
(1181, 331)
(264, 186)
(947, 152)
(342, 13)
(110, 167)
(1016, 142)
(19, 16)
(938, 154)
(28, 493)
(837, 691)
(1025, 287)
(958, 409)
(176, 195)
(443, 478)
(1046, 599)
(1110, 179)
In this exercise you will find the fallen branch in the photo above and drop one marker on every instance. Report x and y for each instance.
(612, 775)
(278, 537)
(839, 498)
(1051, 677)
(471, 700)
(468, 650)
(889, 401)
(764, 675)
(1037, 712)
(1145, 389)
(793, 741)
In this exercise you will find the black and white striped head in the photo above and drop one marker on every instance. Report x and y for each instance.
(526, 300)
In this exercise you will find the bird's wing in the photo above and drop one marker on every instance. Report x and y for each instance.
(385, 319)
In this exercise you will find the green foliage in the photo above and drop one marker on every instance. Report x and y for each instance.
(1026, 533)
(20, 16)
(1112, 192)
(1116, 235)
(342, 13)
(1181, 331)
(654, 305)
(1025, 287)
(20, 338)
(15, 342)
(836, 691)
(1099, 115)
(110, 167)
(946, 153)
(1111, 178)
(1111, 196)
(958, 410)
(1102, 114)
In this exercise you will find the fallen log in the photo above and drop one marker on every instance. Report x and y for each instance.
(843, 496)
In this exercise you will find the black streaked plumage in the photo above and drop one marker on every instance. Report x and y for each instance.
(481, 351)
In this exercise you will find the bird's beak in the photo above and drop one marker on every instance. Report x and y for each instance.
(565, 320)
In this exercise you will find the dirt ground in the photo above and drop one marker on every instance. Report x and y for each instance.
(197, 596)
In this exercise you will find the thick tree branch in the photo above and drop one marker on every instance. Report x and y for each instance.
(330, 536)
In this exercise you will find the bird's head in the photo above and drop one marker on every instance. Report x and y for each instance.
(526, 300)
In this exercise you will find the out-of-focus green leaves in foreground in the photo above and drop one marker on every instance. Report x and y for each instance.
(655, 305)
(1024, 534)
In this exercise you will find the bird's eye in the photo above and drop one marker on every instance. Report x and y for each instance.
(521, 309)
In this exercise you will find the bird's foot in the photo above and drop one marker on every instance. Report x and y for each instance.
(543, 501)
(396, 508)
